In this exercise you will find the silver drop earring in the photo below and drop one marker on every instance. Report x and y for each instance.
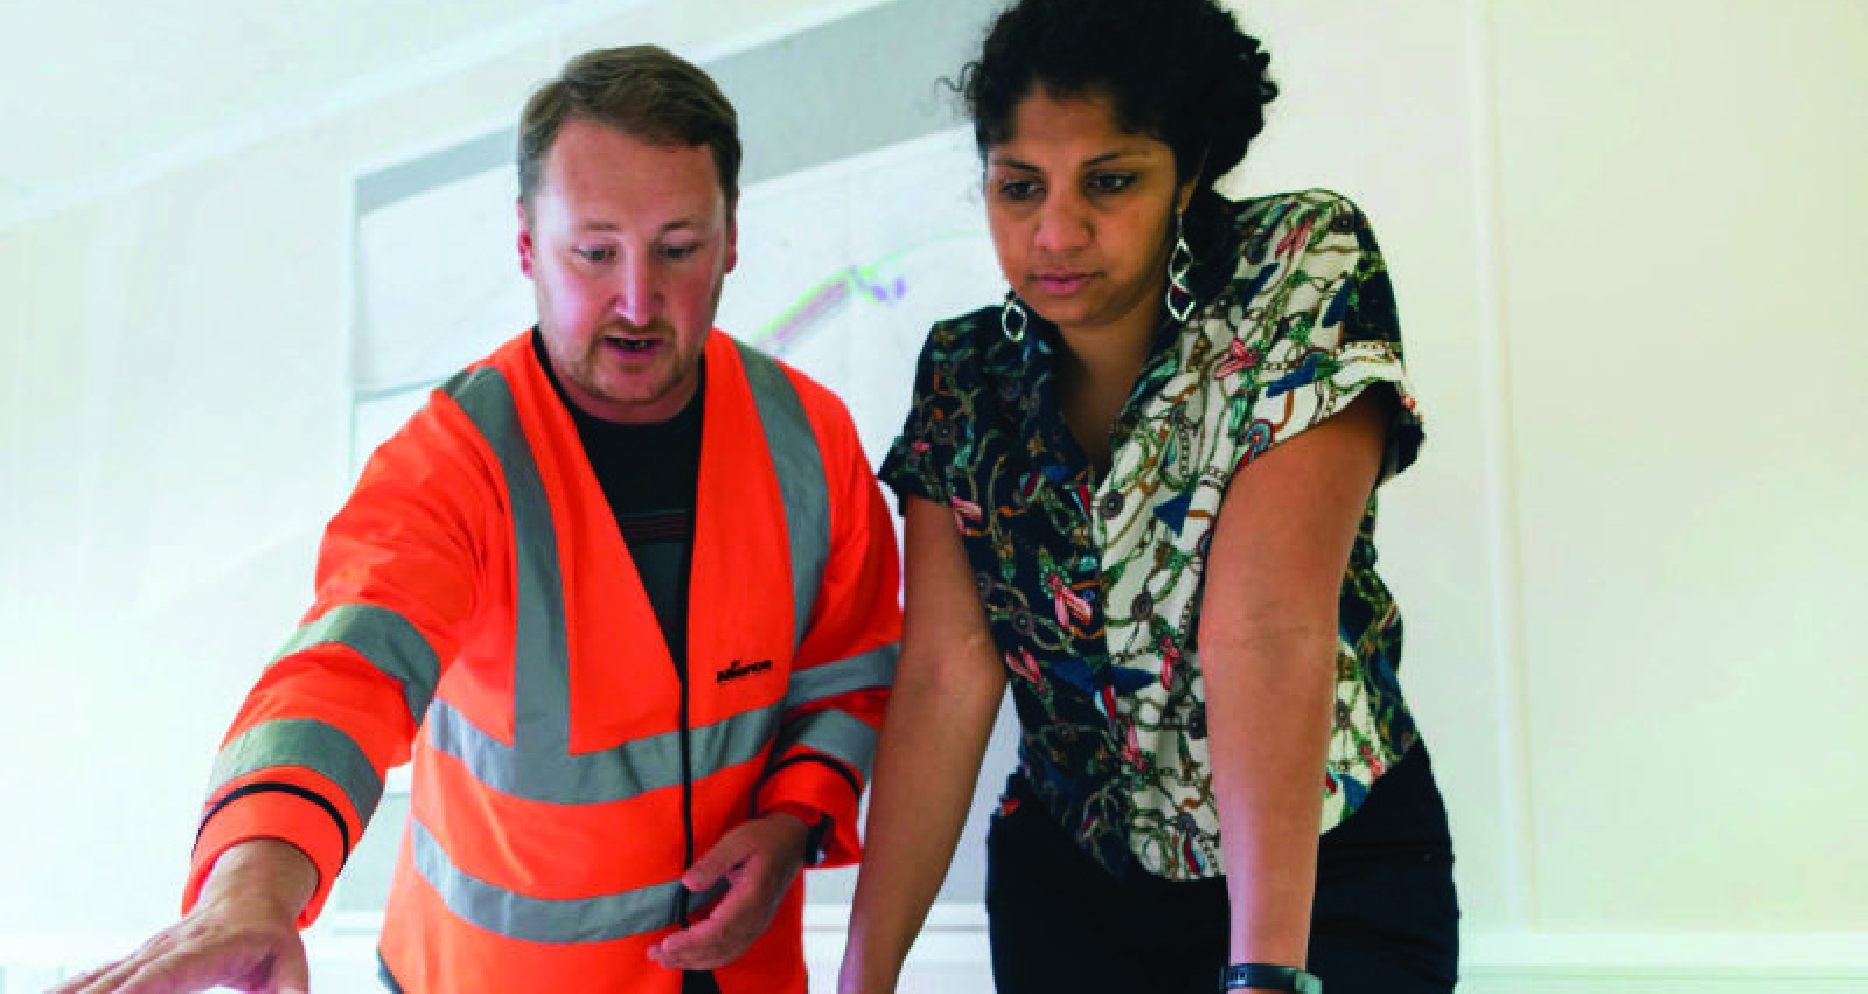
(1180, 265)
(1012, 318)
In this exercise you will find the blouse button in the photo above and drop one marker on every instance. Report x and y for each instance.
(1112, 504)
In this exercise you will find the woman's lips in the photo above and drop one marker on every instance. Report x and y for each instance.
(1061, 284)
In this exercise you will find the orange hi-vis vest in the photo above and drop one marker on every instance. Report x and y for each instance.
(476, 599)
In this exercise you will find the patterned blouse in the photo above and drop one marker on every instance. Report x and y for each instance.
(1092, 588)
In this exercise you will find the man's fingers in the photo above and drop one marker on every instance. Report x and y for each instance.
(154, 978)
(113, 977)
(75, 985)
(182, 970)
(168, 966)
(685, 950)
(715, 864)
(743, 860)
(704, 901)
(714, 942)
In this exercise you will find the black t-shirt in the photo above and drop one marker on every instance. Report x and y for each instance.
(649, 473)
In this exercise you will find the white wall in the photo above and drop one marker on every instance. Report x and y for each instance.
(173, 442)
(1683, 215)
(1626, 239)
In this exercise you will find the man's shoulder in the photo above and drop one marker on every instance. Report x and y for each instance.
(506, 364)
(811, 394)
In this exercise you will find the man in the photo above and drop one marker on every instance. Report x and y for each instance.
(615, 783)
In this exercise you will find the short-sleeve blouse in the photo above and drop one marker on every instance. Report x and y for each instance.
(1092, 587)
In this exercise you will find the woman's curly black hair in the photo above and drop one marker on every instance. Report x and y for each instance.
(1177, 70)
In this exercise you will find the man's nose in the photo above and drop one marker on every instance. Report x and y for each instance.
(638, 294)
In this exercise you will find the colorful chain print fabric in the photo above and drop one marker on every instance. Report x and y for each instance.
(1092, 588)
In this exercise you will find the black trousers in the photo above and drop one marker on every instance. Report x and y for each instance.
(1385, 921)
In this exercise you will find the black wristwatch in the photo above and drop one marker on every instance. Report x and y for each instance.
(1241, 976)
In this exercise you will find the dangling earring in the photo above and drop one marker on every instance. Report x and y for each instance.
(1180, 299)
(1012, 317)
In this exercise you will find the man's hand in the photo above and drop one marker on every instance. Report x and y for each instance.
(242, 934)
(758, 861)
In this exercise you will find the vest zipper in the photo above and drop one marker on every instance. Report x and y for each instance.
(687, 791)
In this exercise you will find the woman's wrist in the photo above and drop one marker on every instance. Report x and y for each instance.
(1269, 978)
(864, 973)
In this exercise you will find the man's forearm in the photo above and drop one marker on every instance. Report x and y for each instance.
(270, 873)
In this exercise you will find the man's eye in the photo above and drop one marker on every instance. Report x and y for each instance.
(596, 254)
(679, 252)
(1111, 182)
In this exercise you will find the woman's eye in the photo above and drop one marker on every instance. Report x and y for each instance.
(1018, 189)
(1111, 182)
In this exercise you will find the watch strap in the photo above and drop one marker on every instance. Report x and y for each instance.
(1268, 976)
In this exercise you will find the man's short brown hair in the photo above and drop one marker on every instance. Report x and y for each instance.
(644, 91)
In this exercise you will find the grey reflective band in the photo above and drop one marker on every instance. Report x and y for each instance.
(630, 769)
(388, 640)
(801, 481)
(863, 671)
(741, 738)
(834, 733)
(535, 919)
(541, 663)
(306, 743)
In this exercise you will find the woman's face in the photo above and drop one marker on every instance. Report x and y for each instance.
(1082, 214)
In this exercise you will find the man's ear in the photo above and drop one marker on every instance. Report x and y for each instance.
(732, 245)
(525, 240)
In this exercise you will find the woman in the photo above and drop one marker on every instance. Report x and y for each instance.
(1142, 491)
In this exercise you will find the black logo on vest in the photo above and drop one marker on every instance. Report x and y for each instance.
(740, 668)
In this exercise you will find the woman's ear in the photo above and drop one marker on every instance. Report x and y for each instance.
(1183, 192)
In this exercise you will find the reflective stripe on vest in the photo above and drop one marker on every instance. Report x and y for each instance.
(386, 639)
(801, 480)
(306, 743)
(534, 919)
(539, 765)
(834, 733)
(391, 644)
(630, 769)
(863, 671)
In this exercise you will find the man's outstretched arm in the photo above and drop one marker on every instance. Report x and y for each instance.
(242, 932)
